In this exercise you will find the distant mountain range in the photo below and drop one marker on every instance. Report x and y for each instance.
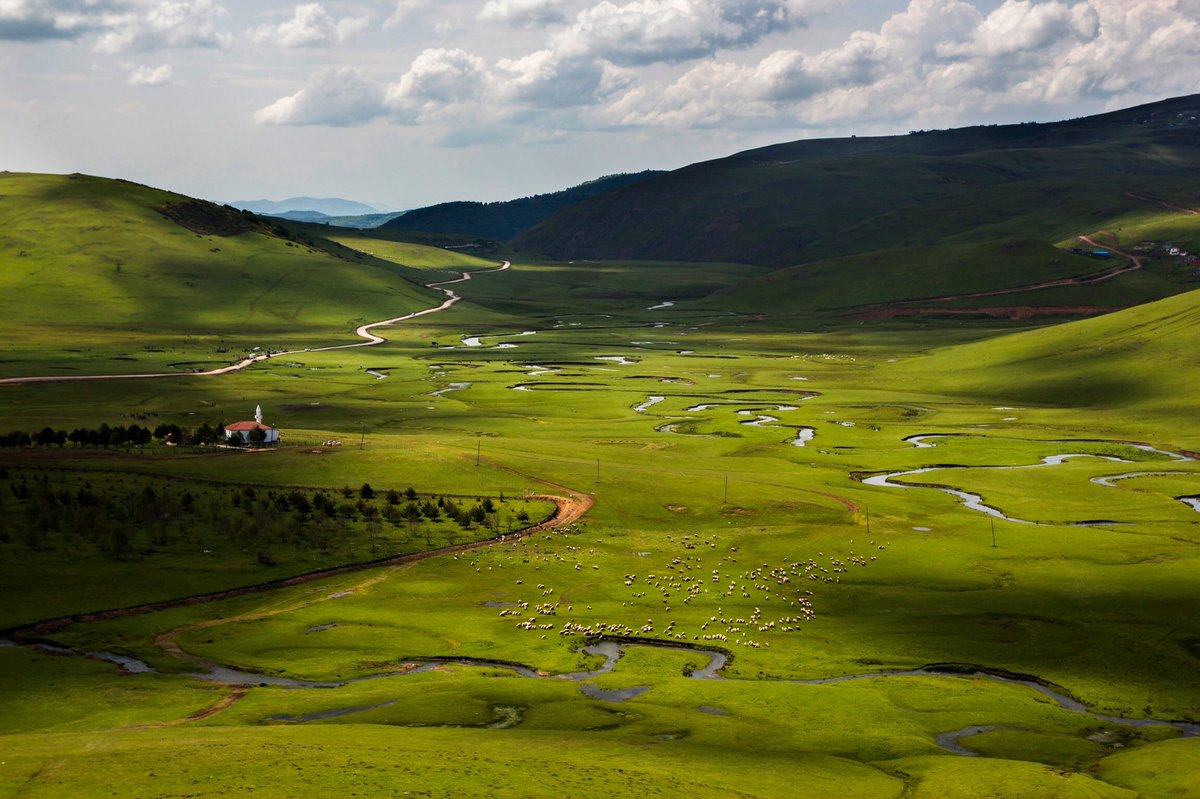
(313, 207)
(320, 210)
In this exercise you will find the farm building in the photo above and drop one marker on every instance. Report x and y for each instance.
(245, 429)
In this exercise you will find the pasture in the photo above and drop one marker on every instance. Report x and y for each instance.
(727, 454)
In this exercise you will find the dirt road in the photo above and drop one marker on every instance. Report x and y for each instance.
(568, 510)
(363, 331)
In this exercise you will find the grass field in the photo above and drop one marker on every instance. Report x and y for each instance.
(712, 529)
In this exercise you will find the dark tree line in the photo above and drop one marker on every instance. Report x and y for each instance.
(126, 522)
(134, 435)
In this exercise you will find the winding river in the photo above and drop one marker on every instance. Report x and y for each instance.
(612, 651)
(975, 501)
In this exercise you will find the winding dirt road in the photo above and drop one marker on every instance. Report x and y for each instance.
(568, 510)
(363, 331)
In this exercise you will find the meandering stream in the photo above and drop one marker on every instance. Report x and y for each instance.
(975, 501)
(612, 651)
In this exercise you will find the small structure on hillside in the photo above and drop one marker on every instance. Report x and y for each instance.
(250, 431)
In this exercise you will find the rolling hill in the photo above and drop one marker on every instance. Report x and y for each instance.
(1140, 361)
(504, 220)
(812, 200)
(91, 265)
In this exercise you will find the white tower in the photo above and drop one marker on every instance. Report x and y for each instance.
(258, 414)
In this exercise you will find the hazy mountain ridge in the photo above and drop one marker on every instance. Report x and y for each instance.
(324, 206)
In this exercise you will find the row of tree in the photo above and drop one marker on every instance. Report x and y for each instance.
(134, 435)
(127, 520)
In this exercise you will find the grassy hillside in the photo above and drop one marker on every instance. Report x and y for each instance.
(807, 201)
(726, 456)
(131, 278)
(504, 220)
(1143, 361)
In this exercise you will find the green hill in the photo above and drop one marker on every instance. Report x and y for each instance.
(1143, 361)
(102, 270)
(808, 201)
(504, 220)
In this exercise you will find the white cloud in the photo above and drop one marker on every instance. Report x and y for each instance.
(406, 10)
(528, 13)
(653, 31)
(438, 80)
(334, 96)
(310, 26)
(168, 23)
(942, 60)
(547, 80)
(141, 75)
(932, 64)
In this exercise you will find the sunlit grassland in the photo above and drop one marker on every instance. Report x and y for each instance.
(1105, 613)
(441, 763)
(130, 291)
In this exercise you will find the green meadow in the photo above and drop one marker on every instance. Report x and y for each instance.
(726, 448)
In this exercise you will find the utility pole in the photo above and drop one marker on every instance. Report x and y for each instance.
(363, 440)
(726, 499)
(867, 508)
(993, 521)
(597, 470)
(478, 447)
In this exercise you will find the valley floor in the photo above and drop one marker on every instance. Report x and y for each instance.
(792, 562)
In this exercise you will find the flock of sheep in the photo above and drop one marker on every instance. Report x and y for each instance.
(681, 581)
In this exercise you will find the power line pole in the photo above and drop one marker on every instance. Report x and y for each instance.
(478, 447)
(363, 440)
(993, 521)
(867, 508)
(726, 499)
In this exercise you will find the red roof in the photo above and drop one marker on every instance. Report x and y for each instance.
(245, 427)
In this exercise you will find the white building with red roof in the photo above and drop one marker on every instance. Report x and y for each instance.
(244, 429)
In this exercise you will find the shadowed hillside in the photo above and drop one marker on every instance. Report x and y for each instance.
(812, 200)
(1142, 359)
(504, 220)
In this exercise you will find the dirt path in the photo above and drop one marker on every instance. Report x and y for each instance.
(227, 701)
(897, 308)
(363, 331)
(568, 510)
(1163, 203)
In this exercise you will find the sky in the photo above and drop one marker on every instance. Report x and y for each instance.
(404, 103)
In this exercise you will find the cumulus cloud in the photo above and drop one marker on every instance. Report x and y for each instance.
(310, 26)
(546, 79)
(406, 10)
(335, 96)
(943, 59)
(527, 13)
(932, 64)
(141, 75)
(438, 79)
(652, 31)
(168, 23)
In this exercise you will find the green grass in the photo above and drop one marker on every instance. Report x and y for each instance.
(807, 201)
(142, 292)
(1105, 613)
